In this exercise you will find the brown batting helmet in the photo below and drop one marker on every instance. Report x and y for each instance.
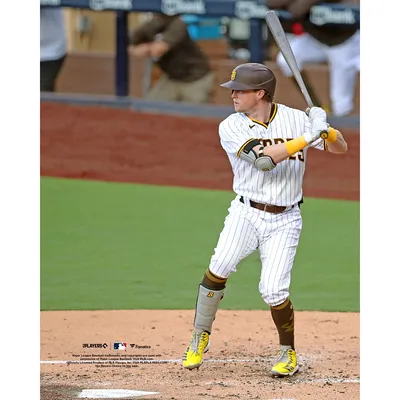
(252, 76)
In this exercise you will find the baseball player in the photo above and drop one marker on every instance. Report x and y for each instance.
(267, 146)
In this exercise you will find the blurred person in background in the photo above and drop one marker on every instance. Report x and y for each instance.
(186, 72)
(338, 45)
(53, 47)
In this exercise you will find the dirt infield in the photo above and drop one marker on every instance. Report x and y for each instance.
(328, 355)
(120, 145)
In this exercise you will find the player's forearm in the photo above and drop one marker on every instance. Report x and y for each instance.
(335, 142)
(282, 151)
(158, 48)
(278, 152)
(140, 50)
(265, 158)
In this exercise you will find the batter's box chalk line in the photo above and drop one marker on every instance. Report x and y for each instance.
(112, 393)
(303, 361)
(289, 381)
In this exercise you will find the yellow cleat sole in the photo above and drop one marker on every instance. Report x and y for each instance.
(194, 366)
(278, 374)
(190, 367)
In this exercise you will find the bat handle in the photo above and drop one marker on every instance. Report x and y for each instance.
(324, 134)
(308, 110)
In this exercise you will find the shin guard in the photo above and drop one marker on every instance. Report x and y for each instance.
(206, 308)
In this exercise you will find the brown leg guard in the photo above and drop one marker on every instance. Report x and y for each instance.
(283, 316)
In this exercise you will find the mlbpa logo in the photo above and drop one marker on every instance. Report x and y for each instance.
(119, 346)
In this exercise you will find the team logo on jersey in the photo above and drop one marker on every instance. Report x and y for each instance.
(269, 142)
(210, 294)
(233, 75)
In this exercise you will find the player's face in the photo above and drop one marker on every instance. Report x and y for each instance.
(244, 100)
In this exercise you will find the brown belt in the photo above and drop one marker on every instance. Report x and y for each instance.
(267, 207)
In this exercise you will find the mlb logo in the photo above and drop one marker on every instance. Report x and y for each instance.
(119, 346)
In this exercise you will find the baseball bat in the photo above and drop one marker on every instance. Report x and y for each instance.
(281, 40)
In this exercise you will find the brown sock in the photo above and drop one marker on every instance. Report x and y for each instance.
(212, 281)
(283, 316)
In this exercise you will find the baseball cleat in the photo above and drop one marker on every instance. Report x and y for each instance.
(286, 364)
(193, 355)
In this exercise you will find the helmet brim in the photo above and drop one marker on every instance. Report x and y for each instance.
(236, 86)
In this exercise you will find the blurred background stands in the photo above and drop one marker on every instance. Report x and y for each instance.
(90, 66)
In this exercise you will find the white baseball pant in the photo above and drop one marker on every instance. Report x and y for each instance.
(275, 235)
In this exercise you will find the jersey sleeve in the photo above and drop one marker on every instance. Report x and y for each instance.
(175, 32)
(144, 33)
(234, 134)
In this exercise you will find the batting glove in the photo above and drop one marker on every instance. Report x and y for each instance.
(318, 123)
(316, 112)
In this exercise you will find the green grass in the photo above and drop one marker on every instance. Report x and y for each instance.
(128, 246)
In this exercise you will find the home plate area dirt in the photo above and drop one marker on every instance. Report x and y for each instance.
(111, 144)
(243, 348)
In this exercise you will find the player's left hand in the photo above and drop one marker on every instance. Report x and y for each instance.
(316, 113)
(318, 123)
(318, 126)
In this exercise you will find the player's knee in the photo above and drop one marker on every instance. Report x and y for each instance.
(273, 297)
(222, 266)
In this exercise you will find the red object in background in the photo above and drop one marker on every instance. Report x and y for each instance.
(297, 29)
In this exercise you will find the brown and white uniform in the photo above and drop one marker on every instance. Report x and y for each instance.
(246, 229)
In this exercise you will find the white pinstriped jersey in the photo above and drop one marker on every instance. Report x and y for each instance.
(281, 186)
